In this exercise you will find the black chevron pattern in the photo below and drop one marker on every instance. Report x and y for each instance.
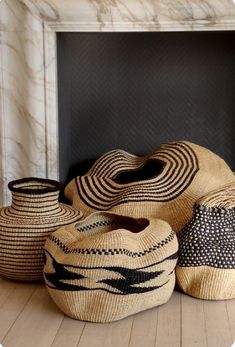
(131, 277)
(127, 284)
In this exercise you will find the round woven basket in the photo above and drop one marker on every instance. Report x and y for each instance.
(24, 226)
(206, 265)
(164, 184)
(108, 266)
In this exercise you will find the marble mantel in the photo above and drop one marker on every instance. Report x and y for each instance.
(28, 88)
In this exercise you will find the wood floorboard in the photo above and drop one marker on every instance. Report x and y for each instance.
(118, 333)
(168, 324)
(230, 306)
(7, 287)
(37, 324)
(193, 322)
(144, 329)
(69, 333)
(218, 331)
(29, 318)
(18, 296)
(93, 335)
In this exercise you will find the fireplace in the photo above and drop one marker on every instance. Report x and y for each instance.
(28, 96)
(135, 91)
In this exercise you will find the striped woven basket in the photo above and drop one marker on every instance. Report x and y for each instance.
(164, 184)
(108, 266)
(24, 226)
(206, 266)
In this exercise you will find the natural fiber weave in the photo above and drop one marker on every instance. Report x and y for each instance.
(24, 226)
(206, 266)
(164, 184)
(108, 267)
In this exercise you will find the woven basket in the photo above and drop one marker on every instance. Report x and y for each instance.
(206, 266)
(108, 267)
(164, 184)
(24, 226)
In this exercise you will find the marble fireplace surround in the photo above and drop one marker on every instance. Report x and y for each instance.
(28, 85)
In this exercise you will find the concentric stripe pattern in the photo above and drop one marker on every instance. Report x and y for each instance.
(24, 227)
(99, 190)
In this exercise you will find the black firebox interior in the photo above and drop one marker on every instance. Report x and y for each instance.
(134, 91)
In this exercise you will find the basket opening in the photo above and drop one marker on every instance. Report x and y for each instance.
(150, 169)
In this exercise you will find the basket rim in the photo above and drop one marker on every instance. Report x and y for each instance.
(51, 186)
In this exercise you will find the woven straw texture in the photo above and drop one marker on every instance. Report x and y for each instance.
(206, 266)
(108, 266)
(24, 226)
(164, 184)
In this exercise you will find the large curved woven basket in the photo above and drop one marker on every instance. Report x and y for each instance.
(164, 184)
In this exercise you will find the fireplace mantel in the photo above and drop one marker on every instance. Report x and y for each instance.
(28, 93)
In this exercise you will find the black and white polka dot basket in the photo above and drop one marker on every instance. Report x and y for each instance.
(206, 264)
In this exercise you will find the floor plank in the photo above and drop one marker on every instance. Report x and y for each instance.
(6, 288)
(168, 323)
(15, 300)
(69, 333)
(230, 306)
(144, 329)
(118, 333)
(193, 322)
(218, 332)
(38, 323)
(93, 335)
(28, 317)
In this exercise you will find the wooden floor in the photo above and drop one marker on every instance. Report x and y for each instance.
(29, 318)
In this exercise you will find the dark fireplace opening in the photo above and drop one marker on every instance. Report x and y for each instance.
(134, 91)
